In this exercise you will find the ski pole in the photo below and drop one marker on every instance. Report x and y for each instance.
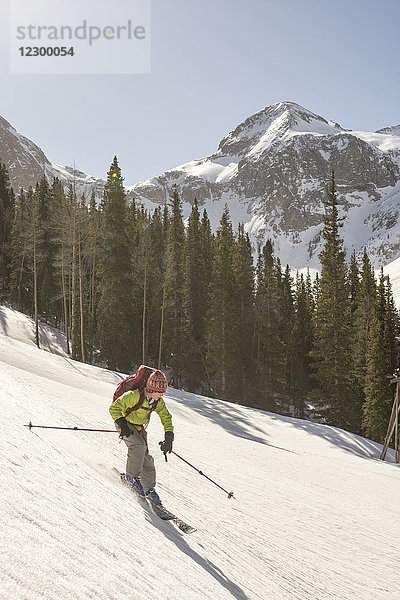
(71, 428)
(230, 494)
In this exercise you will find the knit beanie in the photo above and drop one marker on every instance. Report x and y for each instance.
(157, 382)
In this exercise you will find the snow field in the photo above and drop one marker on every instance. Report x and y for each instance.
(316, 515)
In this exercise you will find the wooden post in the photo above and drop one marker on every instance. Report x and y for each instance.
(396, 428)
(393, 426)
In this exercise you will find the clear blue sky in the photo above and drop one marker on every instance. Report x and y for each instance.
(214, 63)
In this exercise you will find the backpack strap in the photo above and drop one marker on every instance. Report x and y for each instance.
(138, 404)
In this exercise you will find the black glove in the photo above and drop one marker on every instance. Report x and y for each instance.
(122, 423)
(166, 445)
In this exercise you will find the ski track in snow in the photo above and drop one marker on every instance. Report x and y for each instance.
(316, 515)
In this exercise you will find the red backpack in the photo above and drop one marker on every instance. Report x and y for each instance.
(135, 382)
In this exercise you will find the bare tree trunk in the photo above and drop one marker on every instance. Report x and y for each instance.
(161, 328)
(81, 301)
(92, 298)
(20, 282)
(35, 291)
(223, 360)
(64, 293)
(73, 289)
(144, 315)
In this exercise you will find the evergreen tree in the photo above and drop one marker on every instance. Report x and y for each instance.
(175, 341)
(46, 283)
(114, 323)
(244, 292)
(93, 249)
(62, 228)
(195, 301)
(140, 273)
(156, 280)
(21, 284)
(223, 313)
(353, 283)
(34, 246)
(269, 350)
(287, 321)
(303, 338)
(378, 393)
(7, 205)
(332, 351)
(389, 316)
(364, 303)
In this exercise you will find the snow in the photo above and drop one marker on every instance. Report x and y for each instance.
(17, 326)
(316, 515)
(393, 270)
(385, 142)
(209, 170)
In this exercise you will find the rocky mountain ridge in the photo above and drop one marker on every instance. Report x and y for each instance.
(272, 170)
(27, 163)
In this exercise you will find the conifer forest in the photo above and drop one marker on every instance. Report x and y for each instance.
(128, 287)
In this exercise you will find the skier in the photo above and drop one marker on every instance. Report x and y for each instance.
(140, 471)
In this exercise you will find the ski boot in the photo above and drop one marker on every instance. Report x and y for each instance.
(134, 484)
(152, 496)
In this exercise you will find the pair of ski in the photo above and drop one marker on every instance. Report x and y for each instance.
(160, 510)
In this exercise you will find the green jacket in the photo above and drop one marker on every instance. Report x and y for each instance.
(141, 416)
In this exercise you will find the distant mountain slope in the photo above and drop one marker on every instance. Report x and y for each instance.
(272, 170)
(27, 164)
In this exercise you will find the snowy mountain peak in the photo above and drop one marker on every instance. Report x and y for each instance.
(274, 123)
(273, 169)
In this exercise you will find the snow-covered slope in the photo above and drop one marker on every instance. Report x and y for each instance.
(316, 515)
(18, 326)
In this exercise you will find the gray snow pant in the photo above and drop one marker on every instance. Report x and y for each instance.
(139, 462)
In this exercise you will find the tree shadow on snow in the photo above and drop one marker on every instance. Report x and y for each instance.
(349, 442)
(3, 323)
(227, 415)
(176, 537)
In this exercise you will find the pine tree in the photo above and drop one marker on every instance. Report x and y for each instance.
(378, 393)
(287, 321)
(62, 235)
(269, 350)
(114, 324)
(244, 296)
(46, 283)
(332, 351)
(389, 316)
(21, 285)
(223, 313)
(353, 283)
(175, 341)
(364, 303)
(7, 206)
(156, 279)
(381, 362)
(34, 246)
(302, 340)
(196, 301)
(93, 243)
